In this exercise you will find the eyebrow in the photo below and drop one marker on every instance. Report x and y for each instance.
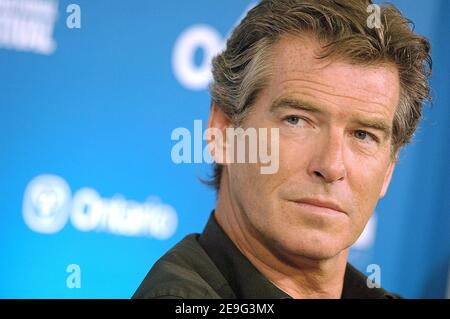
(376, 124)
(294, 103)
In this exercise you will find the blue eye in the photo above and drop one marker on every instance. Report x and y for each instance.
(361, 134)
(294, 120)
(365, 136)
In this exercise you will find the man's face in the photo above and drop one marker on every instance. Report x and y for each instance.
(334, 123)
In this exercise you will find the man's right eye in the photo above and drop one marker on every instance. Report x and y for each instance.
(294, 120)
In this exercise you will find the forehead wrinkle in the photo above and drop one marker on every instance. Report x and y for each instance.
(301, 91)
(327, 92)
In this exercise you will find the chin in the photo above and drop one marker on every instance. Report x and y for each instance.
(314, 245)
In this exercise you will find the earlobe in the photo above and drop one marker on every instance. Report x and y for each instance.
(217, 123)
(217, 118)
(387, 178)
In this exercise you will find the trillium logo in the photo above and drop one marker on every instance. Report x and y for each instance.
(48, 204)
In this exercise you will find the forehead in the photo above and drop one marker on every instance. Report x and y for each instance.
(296, 70)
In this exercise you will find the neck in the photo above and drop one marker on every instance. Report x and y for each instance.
(298, 276)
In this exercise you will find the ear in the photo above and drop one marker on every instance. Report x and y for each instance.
(217, 118)
(388, 177)
(218, 122)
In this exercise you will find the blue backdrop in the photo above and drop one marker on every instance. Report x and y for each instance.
(90, 197)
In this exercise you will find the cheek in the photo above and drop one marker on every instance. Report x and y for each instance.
(290, 159)
(248, 184)
(295, 153)
(365, 178)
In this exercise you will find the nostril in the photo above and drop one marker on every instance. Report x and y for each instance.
(317, 173)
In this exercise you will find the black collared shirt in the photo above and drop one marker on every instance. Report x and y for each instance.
(211, 266)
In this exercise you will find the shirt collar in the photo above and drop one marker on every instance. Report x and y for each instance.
(244, 279)
(248, 283)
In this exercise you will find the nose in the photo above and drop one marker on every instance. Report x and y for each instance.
(327, 161)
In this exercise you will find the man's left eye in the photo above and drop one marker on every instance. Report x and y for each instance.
(363, 135)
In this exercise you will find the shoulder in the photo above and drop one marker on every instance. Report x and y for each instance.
(356, 286)
(185, 271)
